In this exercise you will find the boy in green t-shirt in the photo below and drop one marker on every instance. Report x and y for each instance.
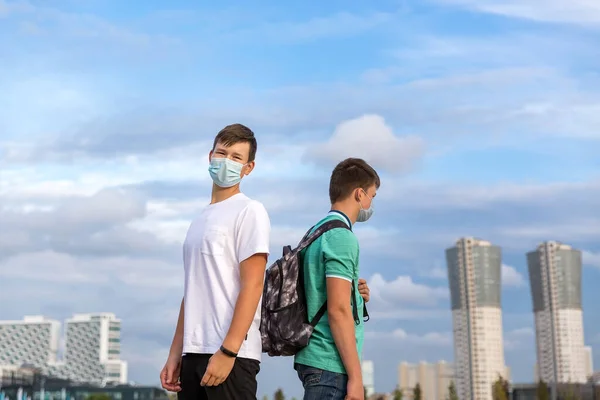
(329, 367)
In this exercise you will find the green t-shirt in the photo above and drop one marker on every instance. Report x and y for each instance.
(334, 254)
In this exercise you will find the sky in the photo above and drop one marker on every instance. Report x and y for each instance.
(481, 116)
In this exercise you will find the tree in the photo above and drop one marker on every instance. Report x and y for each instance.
(452, 395)
(570, 393)
(265, 397)
(398, 395)
(279, 395)
(500, 389)
(542, 391)
(417, 392)
(99, 396)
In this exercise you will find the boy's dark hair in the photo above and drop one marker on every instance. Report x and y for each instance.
(237, 133)
(350, 174)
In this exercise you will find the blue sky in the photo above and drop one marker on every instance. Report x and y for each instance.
(483, 117)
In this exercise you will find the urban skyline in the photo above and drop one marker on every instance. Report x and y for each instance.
(91, 351)
(474, 277)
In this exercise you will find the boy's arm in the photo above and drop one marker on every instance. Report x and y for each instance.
(252, 244)
(252, 274)
(340, 250)
(177, 343)
(341, 322)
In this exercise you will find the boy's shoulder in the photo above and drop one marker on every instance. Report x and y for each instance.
(341, 235)
(253, 208)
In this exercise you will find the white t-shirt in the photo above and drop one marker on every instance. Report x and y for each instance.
(218, 240)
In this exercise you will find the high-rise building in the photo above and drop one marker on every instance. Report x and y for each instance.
(434, 379)
(474, 275)
(555, 280)
(33, 340)
(589, 361)
(92, 347)
(368, 374)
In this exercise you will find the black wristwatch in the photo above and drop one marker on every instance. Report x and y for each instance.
(228, 353)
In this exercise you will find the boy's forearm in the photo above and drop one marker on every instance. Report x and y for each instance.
(341, 323)
(177, 344)
(243, 314)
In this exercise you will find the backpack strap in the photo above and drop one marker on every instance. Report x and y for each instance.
(323, 309)
(319, 315)
(309, 238)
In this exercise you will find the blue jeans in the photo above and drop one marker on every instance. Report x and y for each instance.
(322, 385)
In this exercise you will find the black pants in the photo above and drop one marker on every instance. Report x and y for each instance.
(240, 384)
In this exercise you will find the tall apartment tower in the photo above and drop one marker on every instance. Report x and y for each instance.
(474, 275)
(434, 379)
(33, 340)
(368, 374)
(93, 348)
(555, 279)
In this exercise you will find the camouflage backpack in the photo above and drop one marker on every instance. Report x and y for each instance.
(285, 328)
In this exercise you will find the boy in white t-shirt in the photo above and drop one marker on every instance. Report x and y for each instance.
(216, 349)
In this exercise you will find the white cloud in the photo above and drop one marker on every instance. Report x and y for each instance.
(428, 339)
(436, 273)
(81, 25)
(511, 277)
(581, 12)
(403, 291)
(61, 268)
(406, 314)
(341, 24)
(519, 338)
(591, 259)
(370, 138)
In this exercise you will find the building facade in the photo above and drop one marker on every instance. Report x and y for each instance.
(93, 349)
(555, 281)
(434, 379)
(368, 374)
(91, 354)
(589, 362)
(475, 276)
(33, 340)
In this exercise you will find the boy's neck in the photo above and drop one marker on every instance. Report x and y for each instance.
(221, 194)
(348, 208)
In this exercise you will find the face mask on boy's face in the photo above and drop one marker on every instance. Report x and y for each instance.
(225, 172)
(364, 215)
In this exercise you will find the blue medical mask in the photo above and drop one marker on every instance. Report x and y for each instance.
(225, 172)
(364, 215)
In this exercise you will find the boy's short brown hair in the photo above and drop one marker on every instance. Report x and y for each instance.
(237, 133)
(350, 174)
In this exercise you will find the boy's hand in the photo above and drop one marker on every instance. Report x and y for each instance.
(363, 289)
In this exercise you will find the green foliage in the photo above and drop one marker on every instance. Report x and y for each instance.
(500, 389)
(99, 396)
(398, 395)
(452, 395)
(542, 392)
(279, 395)
(417, 395)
